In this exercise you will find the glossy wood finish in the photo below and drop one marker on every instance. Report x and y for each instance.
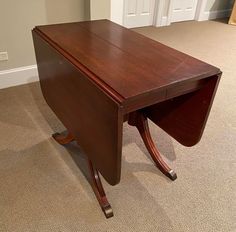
(95, 180)
(84, 109)
(128, 66)
(63, 139)
(139, 120)
(184, 117)
(95, 75)
(99, 191)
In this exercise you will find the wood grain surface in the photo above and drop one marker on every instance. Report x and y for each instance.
(184, 117)
(95, 74)
(92, 117)
(123, 62)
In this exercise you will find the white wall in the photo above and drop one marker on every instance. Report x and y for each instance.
(213, 9)
(211, 5)
(217, 9)
(117, 7)
(166, 8)
(100, 9)
(217, 5)
(18, 18)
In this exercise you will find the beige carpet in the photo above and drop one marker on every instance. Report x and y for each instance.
(42, 188)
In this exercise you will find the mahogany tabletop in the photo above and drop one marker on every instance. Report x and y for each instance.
(124, 63)
(95, 75)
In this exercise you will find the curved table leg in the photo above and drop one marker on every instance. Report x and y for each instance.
(99, 191)
(63, 139)
(140, 121)
(95, 180)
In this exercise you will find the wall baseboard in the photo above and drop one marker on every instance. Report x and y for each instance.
(164, 22)
(18, 76)
(215, 14)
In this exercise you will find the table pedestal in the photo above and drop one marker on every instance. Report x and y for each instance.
(95, 180)
(139, 120)
(134, 119)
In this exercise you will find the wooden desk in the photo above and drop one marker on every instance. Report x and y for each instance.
(95, 75)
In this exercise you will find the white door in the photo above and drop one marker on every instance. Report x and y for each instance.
(183, 10)
(138, 13)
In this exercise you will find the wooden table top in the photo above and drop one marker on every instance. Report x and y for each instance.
(122, 62)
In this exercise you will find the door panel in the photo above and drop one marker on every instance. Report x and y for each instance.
(183, 10)
(138, 13)
(145, 7)
(132, 8)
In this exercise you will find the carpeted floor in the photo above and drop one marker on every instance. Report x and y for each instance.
(42, 188)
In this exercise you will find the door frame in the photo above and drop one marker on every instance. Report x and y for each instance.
(165, 20)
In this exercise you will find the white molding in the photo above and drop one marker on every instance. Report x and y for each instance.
(164, 21)
(159, 7)
(200, 10)
(201, 6)
(169, 14)
(18, 76)
(117, 11)
(161, 21)
(200, 15)
(215, 14)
